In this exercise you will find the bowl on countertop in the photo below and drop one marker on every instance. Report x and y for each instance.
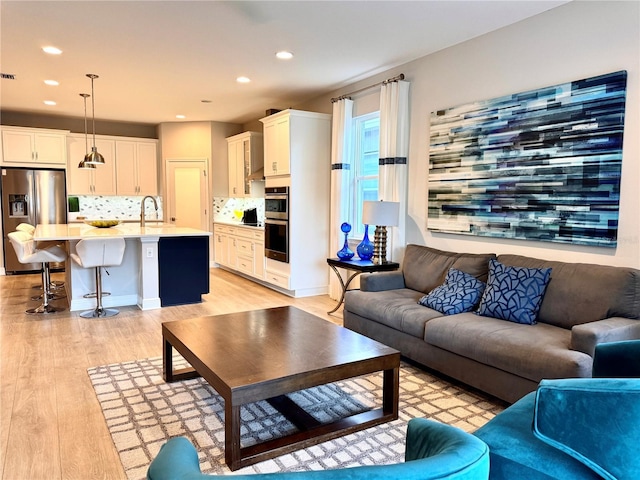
(101, 223)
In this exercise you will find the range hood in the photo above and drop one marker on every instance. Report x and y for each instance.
(257, 175)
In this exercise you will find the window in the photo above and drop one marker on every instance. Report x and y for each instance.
(364, 167)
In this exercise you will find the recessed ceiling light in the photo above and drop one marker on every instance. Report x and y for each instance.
(52, 50)
(243, 80)
(53, 83)
(49, 102)
(284, 55)
(181, 116)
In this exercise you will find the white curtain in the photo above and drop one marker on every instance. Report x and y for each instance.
(394, 149)
(340, 179)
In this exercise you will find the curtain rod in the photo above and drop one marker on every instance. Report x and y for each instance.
(389, 80)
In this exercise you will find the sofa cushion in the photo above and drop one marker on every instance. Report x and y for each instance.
(533, 352)
(514, 293)
(425, 268)
(398, 309)
(459, 293)
(515, 453)
(579, 293)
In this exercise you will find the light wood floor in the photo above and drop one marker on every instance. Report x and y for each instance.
(51, 425)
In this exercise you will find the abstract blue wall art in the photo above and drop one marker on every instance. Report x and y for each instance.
(540, 165)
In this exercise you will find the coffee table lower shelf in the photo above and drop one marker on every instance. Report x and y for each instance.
(306, 438)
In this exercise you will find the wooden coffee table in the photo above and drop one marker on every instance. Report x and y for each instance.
(265, 354)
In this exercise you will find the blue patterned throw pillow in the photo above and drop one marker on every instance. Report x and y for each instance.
(514, 293)
(459, 293)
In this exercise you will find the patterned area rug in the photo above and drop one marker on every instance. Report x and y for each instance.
(142, 412)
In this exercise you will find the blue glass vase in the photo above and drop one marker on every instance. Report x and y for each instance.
(365, 249)
(345, 252)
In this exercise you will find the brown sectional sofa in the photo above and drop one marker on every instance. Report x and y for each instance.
(583, 305)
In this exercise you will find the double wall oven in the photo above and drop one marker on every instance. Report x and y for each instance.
(276, 223)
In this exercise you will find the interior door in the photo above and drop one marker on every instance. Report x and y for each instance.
(188, 189)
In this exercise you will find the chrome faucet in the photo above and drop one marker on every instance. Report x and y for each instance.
(155, 204)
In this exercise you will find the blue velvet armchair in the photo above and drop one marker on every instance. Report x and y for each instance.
(581, 428)
(433, 451)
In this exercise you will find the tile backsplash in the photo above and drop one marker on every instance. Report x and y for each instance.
(109, 206)
(231, 209)
(128, 208)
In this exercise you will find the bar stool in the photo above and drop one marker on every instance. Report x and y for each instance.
(26, 251)
(53, 285)
(98, 253)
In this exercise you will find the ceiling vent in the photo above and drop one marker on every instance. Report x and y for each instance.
(7, 76)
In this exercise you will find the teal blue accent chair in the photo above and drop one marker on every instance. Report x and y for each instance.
(433, 451)
(580, 428)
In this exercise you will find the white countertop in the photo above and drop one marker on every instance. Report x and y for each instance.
(78, 231)
(239, 224)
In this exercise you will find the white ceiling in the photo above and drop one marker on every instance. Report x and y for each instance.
(156, 59)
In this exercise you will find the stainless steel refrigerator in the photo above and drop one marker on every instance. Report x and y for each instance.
(34, 196)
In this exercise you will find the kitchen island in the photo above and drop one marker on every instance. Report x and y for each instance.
(163, 265)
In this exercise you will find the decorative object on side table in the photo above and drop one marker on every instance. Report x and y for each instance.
(382, 215)
(345, 253)
(365, 248)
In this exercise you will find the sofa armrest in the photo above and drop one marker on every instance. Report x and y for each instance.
(377, 282)
(593, 420)
(586, 336)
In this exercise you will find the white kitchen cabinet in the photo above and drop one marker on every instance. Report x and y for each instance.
(34, 146)
(245, 156)
(277, 146)
(136, 167)
(240, 248)
(258, 254)
(221, 238)
(95, 181)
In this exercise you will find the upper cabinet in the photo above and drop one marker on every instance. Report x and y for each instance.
(245, 156)
(136, 167)
(277, 144)
(289, 139)
(34, 146)
(130, 166)
(94, 181)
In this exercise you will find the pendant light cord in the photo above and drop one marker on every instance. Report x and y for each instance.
(86, 135)
(93, 110)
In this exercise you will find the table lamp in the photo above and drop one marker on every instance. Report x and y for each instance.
(382, 215)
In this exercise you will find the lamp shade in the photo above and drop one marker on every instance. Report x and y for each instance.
(381, 213)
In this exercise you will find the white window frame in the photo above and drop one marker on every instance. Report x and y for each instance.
(357, 176)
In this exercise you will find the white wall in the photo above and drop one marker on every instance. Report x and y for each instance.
(577, 40)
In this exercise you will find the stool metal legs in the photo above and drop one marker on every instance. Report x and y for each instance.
(99, 311)
(46, 307)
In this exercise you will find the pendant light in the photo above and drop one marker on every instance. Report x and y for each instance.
(93, 158)
(82, 163)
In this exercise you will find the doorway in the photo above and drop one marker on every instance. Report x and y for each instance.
(188, 193)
